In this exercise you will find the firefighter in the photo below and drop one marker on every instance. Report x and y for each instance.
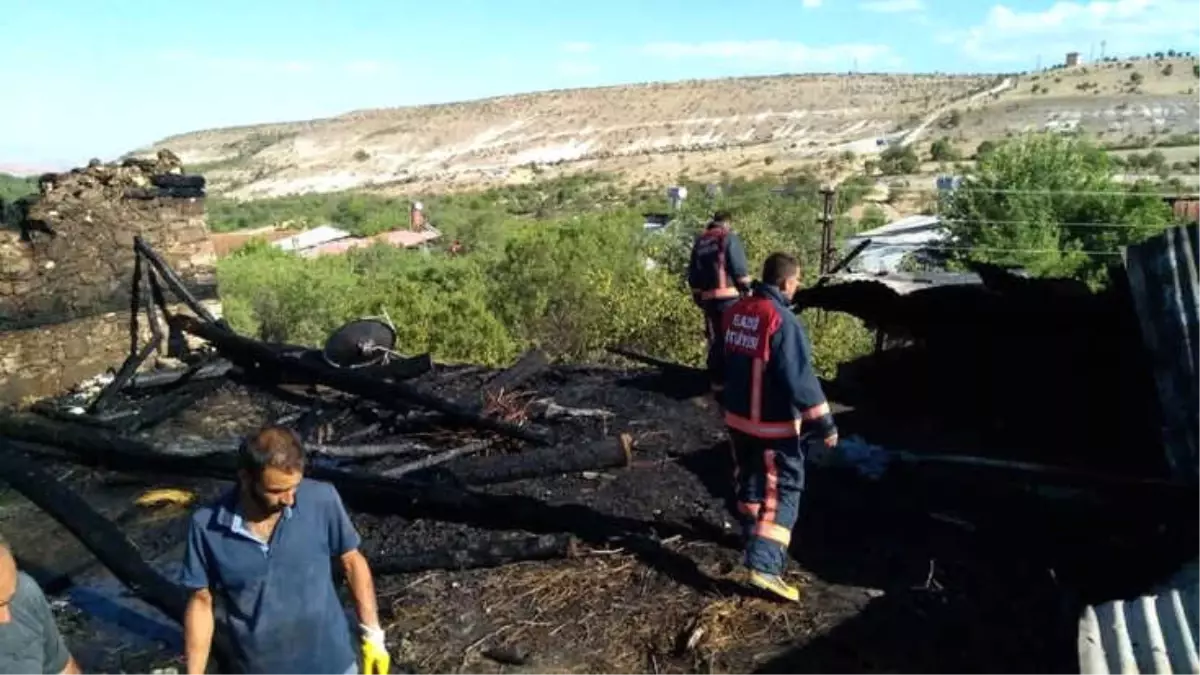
(773, 404)
(718, 275)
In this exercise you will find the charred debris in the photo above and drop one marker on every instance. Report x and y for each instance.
(1018, 406)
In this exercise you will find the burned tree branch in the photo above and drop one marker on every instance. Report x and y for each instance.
(256, 356)
(110, 546)
(492, 553)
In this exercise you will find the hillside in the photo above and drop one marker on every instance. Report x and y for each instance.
(653, 132)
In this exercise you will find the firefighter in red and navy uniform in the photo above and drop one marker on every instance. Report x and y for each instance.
(772, 400)
(718, 275)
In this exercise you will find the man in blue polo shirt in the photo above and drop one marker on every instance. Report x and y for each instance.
(263, 551)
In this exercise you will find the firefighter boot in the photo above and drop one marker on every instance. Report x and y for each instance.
(775, 584)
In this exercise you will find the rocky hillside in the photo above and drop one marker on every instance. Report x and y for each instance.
(654, 131)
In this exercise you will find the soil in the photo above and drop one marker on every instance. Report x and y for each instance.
(913, 572)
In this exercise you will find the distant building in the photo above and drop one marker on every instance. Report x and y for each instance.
(1072, 59)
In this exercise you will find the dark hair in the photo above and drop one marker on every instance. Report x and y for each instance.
(721, 217)
(272, 446)
(778, 268)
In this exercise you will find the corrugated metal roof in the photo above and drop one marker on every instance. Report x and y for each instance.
(1163, 281)
(892, 242)
(1154, 633)
(310, 238)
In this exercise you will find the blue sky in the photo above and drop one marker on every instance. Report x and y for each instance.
(84, 79)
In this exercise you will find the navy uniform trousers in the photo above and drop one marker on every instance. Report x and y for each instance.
(769, 478)
(714, 310)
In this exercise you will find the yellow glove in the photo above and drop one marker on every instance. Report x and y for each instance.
(375, 658)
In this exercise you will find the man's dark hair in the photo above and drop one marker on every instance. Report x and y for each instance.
(778, 268)
(722, 217)
(272, 446)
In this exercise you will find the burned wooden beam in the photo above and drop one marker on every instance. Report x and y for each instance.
(161, 378)
(606, 454)
(531, 364)
(493, 553)
(436, 459)
(168, 405)
(172, 280)
(257, 356)
(104, 540)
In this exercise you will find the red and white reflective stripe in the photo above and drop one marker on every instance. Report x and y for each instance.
(776, 533)
(771, 494)
(788, 429)
(749, 509)
(815, 412)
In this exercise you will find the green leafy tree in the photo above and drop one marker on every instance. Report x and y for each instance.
(1050, 204)
(942, 150)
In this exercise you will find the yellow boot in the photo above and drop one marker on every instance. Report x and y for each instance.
(775, 584)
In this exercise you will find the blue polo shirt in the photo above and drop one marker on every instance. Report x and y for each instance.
(282, 609)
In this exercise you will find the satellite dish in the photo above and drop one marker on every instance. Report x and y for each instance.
(362, 342)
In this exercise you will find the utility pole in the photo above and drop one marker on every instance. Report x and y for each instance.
(1092, 53)
(1103, 47)
(1039, 64)
(826, 220)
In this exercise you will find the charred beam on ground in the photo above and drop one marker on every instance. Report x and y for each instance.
(492, 553)
(609, 453)
(531, 364)
(104, 540)
(162, 378)
(256, 356)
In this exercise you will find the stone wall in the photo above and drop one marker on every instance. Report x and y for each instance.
(48, 360)
(73, 258)
(65, 272)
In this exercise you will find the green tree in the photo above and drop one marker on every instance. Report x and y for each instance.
(896, 160)
(872, 217)
(984, 148)
(1050, 204)
(942, 150)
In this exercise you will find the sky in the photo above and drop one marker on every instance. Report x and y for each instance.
(89, 79)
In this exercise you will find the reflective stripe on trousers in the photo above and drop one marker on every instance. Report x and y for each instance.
(769, 474)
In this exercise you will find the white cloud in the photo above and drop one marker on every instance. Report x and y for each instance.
(893, 6)
(810, 4)
(794, 54)
(578, 47)
(1128, 27)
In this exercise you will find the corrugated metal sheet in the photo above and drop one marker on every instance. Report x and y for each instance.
(1155, 633)
(401, 238)
(890, 243)
(1165, 287)
(308, 239)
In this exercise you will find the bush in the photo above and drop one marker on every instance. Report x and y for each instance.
(943, 151)
(572, 284)
(896, 160)
(1050, 204)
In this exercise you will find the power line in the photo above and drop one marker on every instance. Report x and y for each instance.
(1019, 191)
(994, 249)
(970, 221)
